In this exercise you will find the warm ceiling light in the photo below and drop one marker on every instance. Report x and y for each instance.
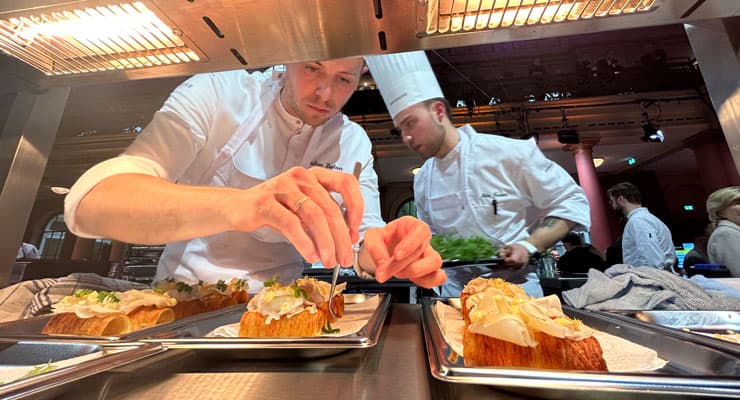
(598, 161)
(451, 16)
(416, 170)
(73, 41)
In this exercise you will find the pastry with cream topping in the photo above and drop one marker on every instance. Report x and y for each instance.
(298, 309)
(203, 297)
(101, 313)
(506, 329)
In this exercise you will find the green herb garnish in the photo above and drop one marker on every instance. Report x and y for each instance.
(473, 248)
(221, 286)
(183, 287)
(271, 282)
(298, 292)
(158, 290)
(240, 284)
(82, 292)
(40, 369)
(329, 329)
(109, 296)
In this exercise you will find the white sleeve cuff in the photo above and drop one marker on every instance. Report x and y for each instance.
(120, 165)
(531, 249)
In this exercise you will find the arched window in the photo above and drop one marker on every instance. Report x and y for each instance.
(53, 238)
(407, 208)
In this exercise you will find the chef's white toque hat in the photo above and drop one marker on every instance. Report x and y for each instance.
(404, 79)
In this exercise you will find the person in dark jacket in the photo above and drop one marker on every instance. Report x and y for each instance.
(579, 258)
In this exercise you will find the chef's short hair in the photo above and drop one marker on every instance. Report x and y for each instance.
(627, 190)
(448, 108)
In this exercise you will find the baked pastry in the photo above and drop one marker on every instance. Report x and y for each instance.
(520, 331)
(101, 313)
(480, 284)
(111, 324)
(298, 309)
(202, 297)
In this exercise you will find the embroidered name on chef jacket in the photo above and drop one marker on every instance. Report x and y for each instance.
(327, 165)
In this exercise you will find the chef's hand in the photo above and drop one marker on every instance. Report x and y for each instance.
(402, 249)
(297, 204)
(514, 255)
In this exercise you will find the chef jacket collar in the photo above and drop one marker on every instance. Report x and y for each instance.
(293, 123)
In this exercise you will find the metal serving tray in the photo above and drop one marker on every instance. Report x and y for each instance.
(692, 326)
(272, 348)
(31, 328)
(72, 361)
(691, 370)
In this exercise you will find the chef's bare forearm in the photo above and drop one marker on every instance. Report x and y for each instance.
(138, 208)
(550, 231)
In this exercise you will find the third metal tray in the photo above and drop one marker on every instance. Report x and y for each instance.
(691, 370)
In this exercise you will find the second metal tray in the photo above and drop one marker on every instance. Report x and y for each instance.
(193, 338)
(691, 370)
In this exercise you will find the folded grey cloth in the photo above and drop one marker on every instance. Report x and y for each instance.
(623, 287)
(30, 298)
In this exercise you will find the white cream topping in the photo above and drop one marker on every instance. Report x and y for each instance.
(277, 301)
(133, 299)
(92, 303)
(185, 292)
(305, 294)
(516, 319)
(86, 306)
(171, 288)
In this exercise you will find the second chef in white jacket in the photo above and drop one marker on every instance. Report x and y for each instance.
(475, 184)
(242, 175)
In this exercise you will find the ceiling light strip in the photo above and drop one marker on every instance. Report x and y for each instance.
(116, 36)
(453, 16)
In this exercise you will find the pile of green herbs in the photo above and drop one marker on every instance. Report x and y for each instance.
(474, 248)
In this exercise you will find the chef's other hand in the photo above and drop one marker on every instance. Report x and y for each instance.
(514, 255)
(297, 204)
(402, 249)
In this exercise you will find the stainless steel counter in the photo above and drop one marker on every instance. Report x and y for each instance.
(396, 368)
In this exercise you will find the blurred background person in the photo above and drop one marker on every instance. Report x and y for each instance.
(579, 257)
(646, 240)
(723, 208)
(698, 255)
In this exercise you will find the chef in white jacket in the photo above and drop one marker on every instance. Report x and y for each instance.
(243, 175)
(475, 184)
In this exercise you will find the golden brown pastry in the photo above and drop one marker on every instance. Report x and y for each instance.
(299, 309)
(112, 324)
(519, 331)
(101, 313)
(203, 297)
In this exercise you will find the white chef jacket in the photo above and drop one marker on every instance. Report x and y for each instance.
(514, 175)
(230, 129)
(647, 241)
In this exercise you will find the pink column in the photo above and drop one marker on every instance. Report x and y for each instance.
(601, 236)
